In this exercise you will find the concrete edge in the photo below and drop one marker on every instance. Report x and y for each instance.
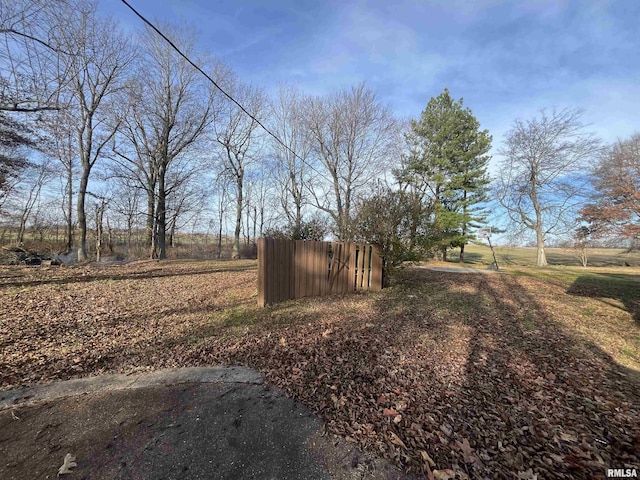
(101, 383)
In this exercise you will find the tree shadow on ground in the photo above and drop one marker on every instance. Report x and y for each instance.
(621, 287)
(516, 383)
(469, 257)
(106, 274)
(474, 371)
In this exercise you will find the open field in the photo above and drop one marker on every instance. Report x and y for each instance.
(494, 376)
(476, 254)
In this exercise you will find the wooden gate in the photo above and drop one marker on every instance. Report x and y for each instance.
(304, 268)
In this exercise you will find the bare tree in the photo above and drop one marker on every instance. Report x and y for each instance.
(35, 180)
(31, 73)
(186, 197)
(291, 170)
(60, 131)
(222, 184)
(238, 139)
(353, 136)
(135, 165)
(541, 174)
(98, 60)
(126, 204)
(169, 109)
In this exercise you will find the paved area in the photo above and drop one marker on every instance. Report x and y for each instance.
(192, 423)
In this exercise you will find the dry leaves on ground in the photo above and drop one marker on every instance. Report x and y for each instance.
(474, 376)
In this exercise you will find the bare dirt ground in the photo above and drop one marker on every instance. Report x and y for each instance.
(479, 376)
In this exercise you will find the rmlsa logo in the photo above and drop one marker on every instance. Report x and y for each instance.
(622, 473)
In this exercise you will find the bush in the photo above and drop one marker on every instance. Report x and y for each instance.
(309, 230)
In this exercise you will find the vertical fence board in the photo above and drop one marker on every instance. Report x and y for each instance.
(376, 271)
(299, 275)
(312, 268)
(293, 269)
(275, 274)
(342, 269)
(318, 268)
(366, 267)
(358, 267)
(353, 265)
(262, 271)
(362, 267)
(306, 274)
(324, 268)
(347, 282)
(284, 277)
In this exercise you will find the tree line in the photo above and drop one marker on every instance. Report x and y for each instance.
(97, 125)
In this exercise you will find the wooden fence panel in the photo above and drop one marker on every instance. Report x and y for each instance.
(290, 269)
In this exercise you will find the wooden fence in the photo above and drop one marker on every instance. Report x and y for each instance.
(304, 268)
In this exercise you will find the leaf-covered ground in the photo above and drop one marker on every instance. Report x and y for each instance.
(488, 376)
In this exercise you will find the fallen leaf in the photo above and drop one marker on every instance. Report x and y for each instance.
(389, 412)
(427, 458)
(446, 474)
(568, 437)
(469, 454)
(397, 441)
(446, 429)
(428, 471)
(527, 475)
(467, 451)
(397, 419)
(68, 463)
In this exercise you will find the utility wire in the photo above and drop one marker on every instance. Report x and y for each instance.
(173, 45)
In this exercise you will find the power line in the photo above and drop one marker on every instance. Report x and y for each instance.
(173, 45)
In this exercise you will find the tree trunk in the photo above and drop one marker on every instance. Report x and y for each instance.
(261, 221)
(172, 233)
(21, 229)
(82, 218)
(109, 237)
(541, 260)
(69, 232)
(161, 217)
(236, 239)
(149, 230)
(464, 226)
(99, 212)
(247, 236)
(340, 220)
(255, 222)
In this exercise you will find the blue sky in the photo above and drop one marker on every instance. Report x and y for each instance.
(507, 59)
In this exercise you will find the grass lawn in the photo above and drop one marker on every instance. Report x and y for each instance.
(480, 255)
(532, 372)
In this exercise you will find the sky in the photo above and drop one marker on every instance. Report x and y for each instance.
(506, 59)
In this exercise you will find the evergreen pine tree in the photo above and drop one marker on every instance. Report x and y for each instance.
(449, 155)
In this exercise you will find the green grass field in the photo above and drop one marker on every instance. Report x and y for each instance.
(477, 255)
